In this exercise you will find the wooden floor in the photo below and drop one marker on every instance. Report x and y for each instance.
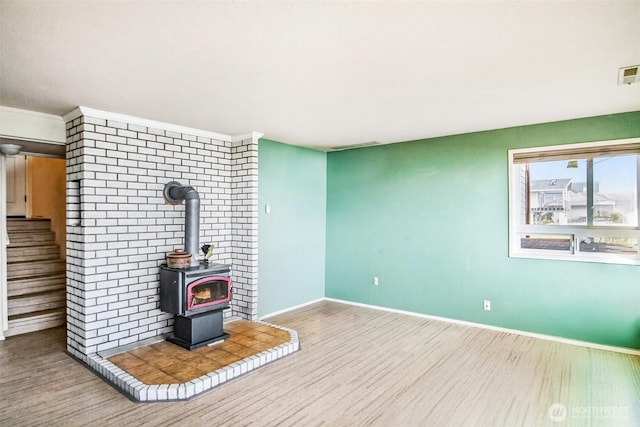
(356, 366)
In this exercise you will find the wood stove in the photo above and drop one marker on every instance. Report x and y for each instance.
(197, 295)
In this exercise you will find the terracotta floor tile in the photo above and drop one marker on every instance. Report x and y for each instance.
(261, 346)
(186, 376)
(242, 340)
(228, 359)
(266, 328)
(239, 326)
(231, 332)
(165, 345)
(205, 364)
(183, 372)
(211, 352)
(282, 334)
(244, 352)
(143, 352)
(173, 350)
(166, 363)
(160, 360)
(142, 370)
(276, 341)
(158, 377)
(251, 332)
(126, 360)
(230, 346)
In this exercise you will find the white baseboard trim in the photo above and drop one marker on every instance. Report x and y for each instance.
(295, 307)
(596, 346)
(569, 341)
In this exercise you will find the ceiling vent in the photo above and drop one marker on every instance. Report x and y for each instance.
(359, 145)
(628, 75)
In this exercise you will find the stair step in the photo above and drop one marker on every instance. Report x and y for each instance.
(17, 270)
(31, 238)
(32, 253)
(36, 302)
(19, 224)
(22, 324)
(36, 277)
(36, 284)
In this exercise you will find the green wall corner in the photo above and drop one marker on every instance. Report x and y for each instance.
(291, 248)
(430, 219)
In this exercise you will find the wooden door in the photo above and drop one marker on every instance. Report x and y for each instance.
(16, 186)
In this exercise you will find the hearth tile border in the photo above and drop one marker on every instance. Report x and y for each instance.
(140, 392)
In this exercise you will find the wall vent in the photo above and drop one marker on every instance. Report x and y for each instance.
(629, 75)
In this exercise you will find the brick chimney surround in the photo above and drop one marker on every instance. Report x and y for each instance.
(119, 229)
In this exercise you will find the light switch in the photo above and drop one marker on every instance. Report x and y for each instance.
(267, 209)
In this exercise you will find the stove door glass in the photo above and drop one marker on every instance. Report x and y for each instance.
(208, 291)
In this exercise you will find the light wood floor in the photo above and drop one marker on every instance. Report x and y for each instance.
(357, 366)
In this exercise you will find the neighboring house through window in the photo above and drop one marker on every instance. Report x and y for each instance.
(576, 202)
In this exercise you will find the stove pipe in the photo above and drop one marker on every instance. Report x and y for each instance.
(174, 193)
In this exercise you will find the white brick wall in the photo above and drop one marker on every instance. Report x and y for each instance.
(244, 212)
(119, 230)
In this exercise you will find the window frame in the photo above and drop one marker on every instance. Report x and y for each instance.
(576, 233)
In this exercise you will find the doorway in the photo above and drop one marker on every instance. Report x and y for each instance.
(33, 191)
(16, 186)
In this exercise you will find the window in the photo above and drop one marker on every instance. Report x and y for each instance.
(576, 202)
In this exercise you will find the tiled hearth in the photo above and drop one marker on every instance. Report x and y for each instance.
(163, 371)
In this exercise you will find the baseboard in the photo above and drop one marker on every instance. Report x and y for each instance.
(569, 341)
(295, 307)
(596, 346)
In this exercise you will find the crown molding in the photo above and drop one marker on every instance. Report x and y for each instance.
(250, 135)
(100, 114)
(27, 125)
(30, 113)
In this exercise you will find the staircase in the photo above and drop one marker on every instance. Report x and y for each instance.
(36, 277)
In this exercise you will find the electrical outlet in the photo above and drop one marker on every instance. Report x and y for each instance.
(375, 281)
(487, 305)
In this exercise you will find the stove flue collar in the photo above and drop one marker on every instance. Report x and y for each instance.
(173, 193)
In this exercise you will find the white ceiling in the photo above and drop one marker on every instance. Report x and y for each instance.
(323, 74)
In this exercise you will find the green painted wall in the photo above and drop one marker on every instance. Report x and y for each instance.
(291, 248)
(430, 218)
